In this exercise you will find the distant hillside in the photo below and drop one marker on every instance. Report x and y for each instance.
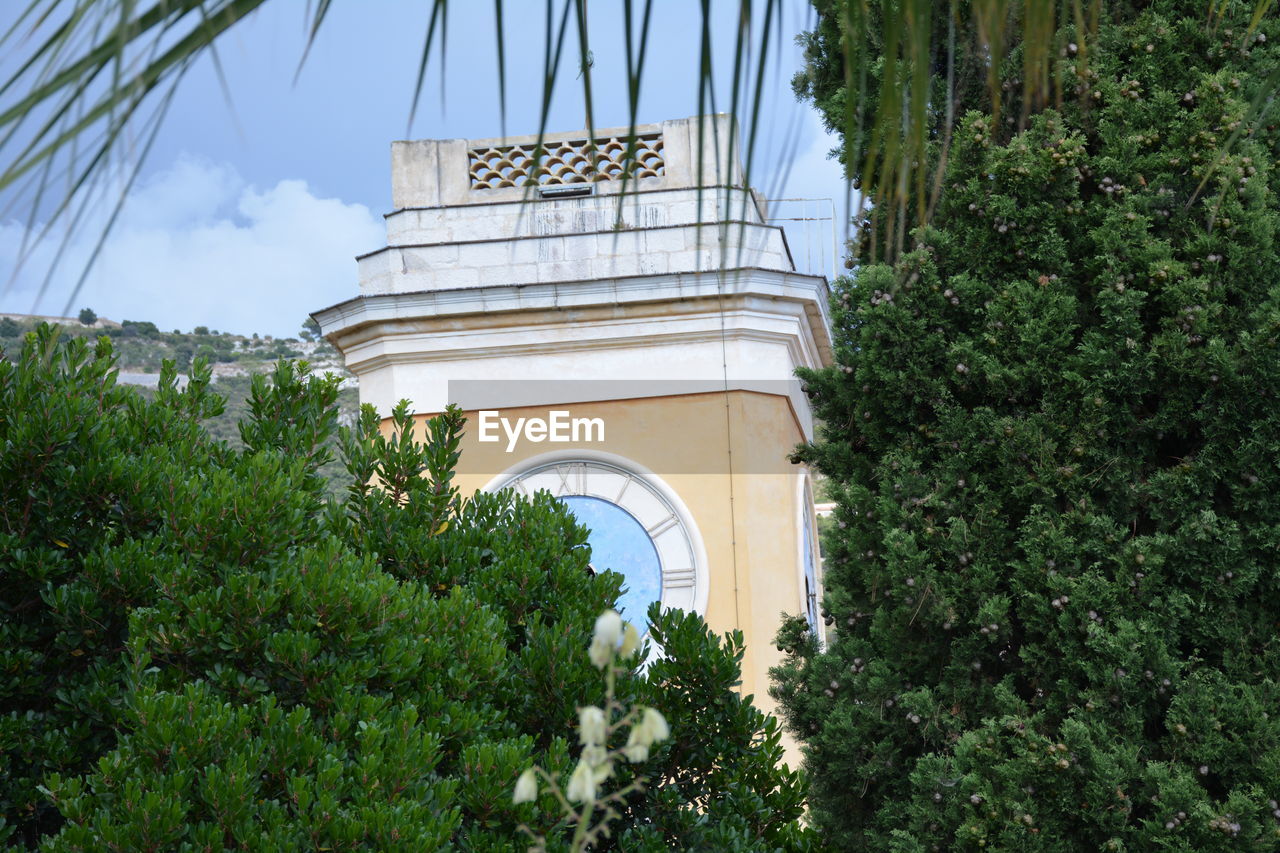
(141, 348)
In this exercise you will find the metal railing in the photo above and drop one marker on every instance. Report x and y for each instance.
(810, 226)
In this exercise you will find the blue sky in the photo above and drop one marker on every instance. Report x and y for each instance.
(254, 201)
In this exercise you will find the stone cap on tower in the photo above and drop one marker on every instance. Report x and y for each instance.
(679, 154)
(571, 207)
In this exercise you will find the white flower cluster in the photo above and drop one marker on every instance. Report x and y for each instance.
(644, 734)
(526, 787)
(612, 636)
(594, 766)
(613, 640)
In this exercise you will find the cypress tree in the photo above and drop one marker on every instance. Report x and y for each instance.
(1053, 586)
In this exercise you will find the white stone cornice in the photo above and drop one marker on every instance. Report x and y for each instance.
(348, 322)
(405, 349)
(736, 329)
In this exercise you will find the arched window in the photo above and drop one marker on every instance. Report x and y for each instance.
(810, 560)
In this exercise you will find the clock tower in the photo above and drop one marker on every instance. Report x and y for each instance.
(622, 326)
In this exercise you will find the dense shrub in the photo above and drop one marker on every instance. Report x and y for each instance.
(136, 328)
(1053, 432)
(199, 651)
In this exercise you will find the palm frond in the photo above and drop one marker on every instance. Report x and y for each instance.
(439, 15)
(93, 74)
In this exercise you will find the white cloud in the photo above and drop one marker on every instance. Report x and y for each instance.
(196, 246)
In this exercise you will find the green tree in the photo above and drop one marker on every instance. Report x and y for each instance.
(139, 328)
(183, 352)
(88, 317)
(281, 349)
(199, 649)
(310, 330)
(1051, 431)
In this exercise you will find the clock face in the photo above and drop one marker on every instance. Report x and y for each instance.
(635, 530)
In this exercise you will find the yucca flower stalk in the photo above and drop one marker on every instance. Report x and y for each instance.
(586, 807)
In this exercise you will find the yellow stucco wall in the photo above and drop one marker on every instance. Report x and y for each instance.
(749, 522)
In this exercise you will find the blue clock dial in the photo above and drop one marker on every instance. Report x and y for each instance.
(619, 543)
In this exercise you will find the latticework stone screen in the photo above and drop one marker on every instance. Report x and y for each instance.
(569, 161)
